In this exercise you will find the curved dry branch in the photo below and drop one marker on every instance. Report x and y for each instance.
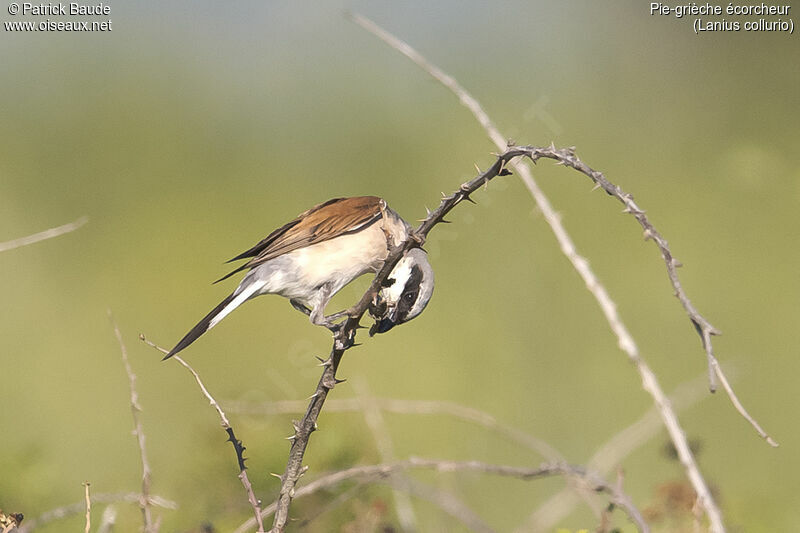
(581, 265)
(380, 472)
(567, 157)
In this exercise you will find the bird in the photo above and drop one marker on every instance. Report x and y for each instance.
(312, 257)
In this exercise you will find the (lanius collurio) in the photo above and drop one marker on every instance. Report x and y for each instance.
(311, 258)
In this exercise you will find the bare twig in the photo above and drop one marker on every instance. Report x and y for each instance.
(380, 433)
(625, 340)
(88, 507)
(376, 473)
(43, 235)
(68, 510)
(255, 503)
(138, 432)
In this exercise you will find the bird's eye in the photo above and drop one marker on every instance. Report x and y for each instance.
(410, 296)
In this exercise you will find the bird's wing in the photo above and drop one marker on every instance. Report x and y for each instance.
(322, 222)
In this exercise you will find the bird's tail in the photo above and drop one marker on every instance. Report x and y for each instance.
(227, 305)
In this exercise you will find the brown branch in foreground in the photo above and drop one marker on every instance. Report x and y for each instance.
(625, 340)
(255, 503)
(43, 235)
(88, 527)
(136, 409)
(60, 513)
(376, 473)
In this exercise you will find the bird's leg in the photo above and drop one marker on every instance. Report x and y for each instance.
(300, 307)
(317, 315)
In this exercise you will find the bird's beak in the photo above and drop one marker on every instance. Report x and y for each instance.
(386, 323)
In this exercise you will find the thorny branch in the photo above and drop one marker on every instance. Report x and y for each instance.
(581, 265)
(345, 332)
(376, 473)
(626, 342)
(144, 501)
(255, 503)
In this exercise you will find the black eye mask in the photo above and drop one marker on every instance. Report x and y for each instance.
(410, 292)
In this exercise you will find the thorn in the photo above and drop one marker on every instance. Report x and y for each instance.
(647, 234)
(273, 474)
(291, 437)
(467, 198)
(596, 186)
(552, 146)
(303, 470)
(313, 396)
(477, 168)
(321, 360)
(443, 221)
(676, 263)
(505, 172)
(337, 380)
(296, 426)
(141, 336)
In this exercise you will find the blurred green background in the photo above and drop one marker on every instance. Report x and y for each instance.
(194, 128)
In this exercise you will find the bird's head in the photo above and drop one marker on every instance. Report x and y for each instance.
(408, 290)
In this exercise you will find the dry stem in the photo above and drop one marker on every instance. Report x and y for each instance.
(88, 507)
(43, 235)
(136, 409)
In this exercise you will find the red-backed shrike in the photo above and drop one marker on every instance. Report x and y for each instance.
(311, 258)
